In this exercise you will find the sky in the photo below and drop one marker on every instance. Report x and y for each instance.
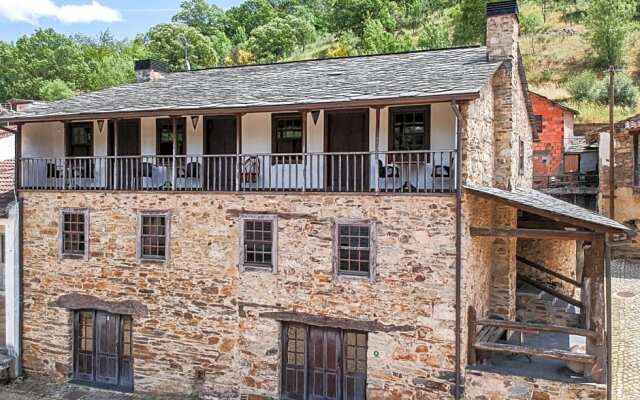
(124, 18)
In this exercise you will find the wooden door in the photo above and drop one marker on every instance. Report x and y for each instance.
(128, 171)
(83, 346)
(324, 364)
(107, 327)
(220, 139)
(347, 131)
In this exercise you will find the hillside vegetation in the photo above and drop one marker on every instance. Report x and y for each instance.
(567, 45)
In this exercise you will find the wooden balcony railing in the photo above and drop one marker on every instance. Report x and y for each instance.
(566, 181)
(389, 171)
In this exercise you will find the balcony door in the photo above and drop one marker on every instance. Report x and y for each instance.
(347, 131)
(220, 143)
(126, 144)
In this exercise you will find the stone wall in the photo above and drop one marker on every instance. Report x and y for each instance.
(203, 314)
(480, 385)
(477, 140)
(556, 255)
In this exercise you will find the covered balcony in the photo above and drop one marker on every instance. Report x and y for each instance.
(388, 150)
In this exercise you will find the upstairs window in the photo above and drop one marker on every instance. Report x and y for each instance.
(286, 137)
(354, 253)
(74, 233)
(80, 139)
(258, 247)
(153, 236)
(521, 157)
(164, 136)
(410, 128)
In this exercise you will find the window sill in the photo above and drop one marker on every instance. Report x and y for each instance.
(346, 275)
(152, 260)
(74, 257)
(257, 268)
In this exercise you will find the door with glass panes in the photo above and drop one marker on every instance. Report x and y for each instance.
(102, 349)
(323, 363)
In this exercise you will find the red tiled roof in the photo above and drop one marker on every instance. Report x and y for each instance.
(6, 175)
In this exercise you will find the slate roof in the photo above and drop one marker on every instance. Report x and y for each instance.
(533, 199)
(459, 71)
(579, 144)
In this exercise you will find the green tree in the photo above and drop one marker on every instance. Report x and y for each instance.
(55, 89)
(377, 40)
(353, 15)
(207, 18)
(608, 22)
(304, 30)
(243, 19)
(273, 41)
(470, 22)
(434, 34)
(165, 43)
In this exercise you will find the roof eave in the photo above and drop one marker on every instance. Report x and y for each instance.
(359, 103)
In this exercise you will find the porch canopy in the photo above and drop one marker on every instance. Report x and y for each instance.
(362, 81)
(543, 217)
(550, 208)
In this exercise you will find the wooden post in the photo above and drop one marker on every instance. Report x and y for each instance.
(377, 149)
(304, 150)
(472, 329)
(238, 149)
(594, 273)
(18, 159)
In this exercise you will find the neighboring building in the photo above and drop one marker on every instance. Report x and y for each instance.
(328, 229)
(627, 170)
(564, 165)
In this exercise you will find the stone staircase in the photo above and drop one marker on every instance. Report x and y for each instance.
(536, 306)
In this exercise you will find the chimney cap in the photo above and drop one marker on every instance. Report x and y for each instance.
(502, 8)
(151, 64)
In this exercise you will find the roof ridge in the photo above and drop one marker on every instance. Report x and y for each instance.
(327, 59)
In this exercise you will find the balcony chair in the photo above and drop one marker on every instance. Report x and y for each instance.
(250, 171)
(389, 177)
(189, 176)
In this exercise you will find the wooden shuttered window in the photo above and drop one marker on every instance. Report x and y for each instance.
(323, 363)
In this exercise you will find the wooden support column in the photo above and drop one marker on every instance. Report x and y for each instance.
(472, 330)
(174, 128)
(305, 115)
(238, 149)
(377, 149)
(18, 158)
(594, 274)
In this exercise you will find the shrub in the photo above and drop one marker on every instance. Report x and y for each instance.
(582, 86)
(624, 92)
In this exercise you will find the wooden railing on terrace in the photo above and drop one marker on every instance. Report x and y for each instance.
(389, 171)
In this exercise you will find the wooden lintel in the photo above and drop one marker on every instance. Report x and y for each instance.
(535, 328)
(532, 233)
(542, 268)
(551, 354)
(551, 291)
(331, 322)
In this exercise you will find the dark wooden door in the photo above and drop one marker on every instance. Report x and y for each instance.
(220, 141)
(102, 349)
(107, 327)
(128, 171)
(324, 364)
(347, 131)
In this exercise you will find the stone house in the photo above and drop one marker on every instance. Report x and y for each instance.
(626, 170)
(564, 164)
(349, 228)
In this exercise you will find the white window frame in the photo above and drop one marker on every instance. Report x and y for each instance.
(274, 245)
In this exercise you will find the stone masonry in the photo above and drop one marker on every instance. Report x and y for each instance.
(204, 314)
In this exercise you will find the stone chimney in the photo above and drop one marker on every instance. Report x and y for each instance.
(150, 70)
(503, 30)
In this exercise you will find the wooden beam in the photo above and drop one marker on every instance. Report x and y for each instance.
(551, 291)
(532, 233)
(561, 355)
(7, 129)
(535, 328)
(547, 271)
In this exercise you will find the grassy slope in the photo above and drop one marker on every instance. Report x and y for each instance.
(552, 56)
(559, 52)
